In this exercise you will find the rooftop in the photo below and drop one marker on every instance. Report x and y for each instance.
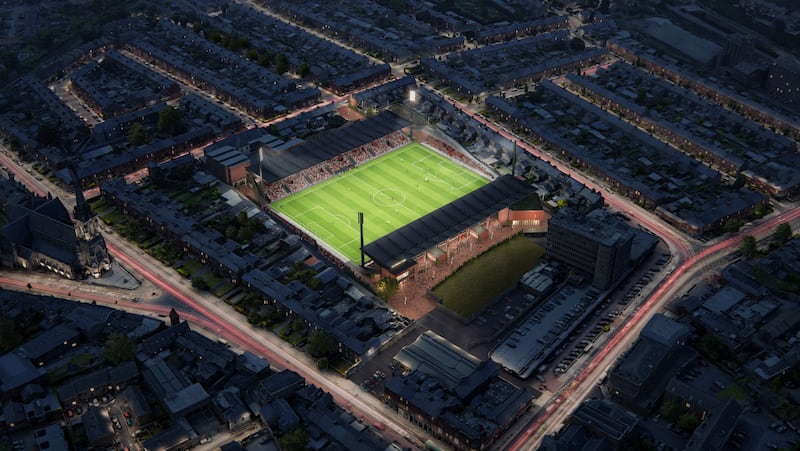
(397, 250)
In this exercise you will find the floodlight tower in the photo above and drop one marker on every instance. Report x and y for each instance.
(361, 231)
(261, 163)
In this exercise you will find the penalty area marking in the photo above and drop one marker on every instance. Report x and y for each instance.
(312, 226)
(389, 197)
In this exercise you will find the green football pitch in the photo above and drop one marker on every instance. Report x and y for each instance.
(392, 191)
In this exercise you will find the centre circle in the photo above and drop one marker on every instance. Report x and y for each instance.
(388, 197)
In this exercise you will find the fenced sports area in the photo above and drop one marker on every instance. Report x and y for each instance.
(392, 191)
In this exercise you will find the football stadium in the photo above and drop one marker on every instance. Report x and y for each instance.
(391, 191)
(418, 194)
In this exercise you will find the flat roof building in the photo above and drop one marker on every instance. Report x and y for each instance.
(590, 243)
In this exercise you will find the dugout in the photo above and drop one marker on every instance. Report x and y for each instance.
(399, 253)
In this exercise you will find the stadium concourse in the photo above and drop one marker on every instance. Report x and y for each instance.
(413, 301)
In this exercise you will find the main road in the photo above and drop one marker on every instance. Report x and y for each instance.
(216, 317)
(689, 263)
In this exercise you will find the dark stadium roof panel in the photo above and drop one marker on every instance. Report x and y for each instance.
(396, 252)
(329, 144)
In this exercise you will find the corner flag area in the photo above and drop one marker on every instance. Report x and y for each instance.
(392, 191)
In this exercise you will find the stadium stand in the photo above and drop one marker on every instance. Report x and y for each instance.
(400, 250)
(300, 166)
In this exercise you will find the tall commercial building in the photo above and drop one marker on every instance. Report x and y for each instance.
(592, 243)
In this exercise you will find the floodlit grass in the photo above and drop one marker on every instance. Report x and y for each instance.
(392, 191)
(483, 279)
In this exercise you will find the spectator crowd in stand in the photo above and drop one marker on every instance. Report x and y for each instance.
(448, 150)
(337, 165)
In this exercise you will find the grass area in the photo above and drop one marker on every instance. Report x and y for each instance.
(113, 217)
(211, 279)
(392, 191)
(152, 241)
(82, 359)
(483, 279)
(166, 252)
(98, 204)
(340, 365)
(222, 289)
(191, 266)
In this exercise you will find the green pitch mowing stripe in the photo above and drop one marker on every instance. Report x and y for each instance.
(392, 191)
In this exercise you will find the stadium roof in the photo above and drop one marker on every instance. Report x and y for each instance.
(325, 146)
(398, 250)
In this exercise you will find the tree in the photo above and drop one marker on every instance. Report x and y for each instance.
(119, 348)
(748, 246)
(281, 64)
(669, 410)
(137, 135)
(320, 343)
(387, 287)
(231, 231)
(169, 120)
(303, 70)
(322, 363)
(576, 44)
(688, 421)
(297, 440)
(200, 284)
(783, 233)
(732, 225)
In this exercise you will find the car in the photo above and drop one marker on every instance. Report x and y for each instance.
(70, 413)
(95, 402)
(129, 421)
(126, 414)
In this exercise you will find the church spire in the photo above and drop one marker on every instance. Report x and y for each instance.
(82, 211)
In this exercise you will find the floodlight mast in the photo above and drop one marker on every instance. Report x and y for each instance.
(361, 230)
(261, 163)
